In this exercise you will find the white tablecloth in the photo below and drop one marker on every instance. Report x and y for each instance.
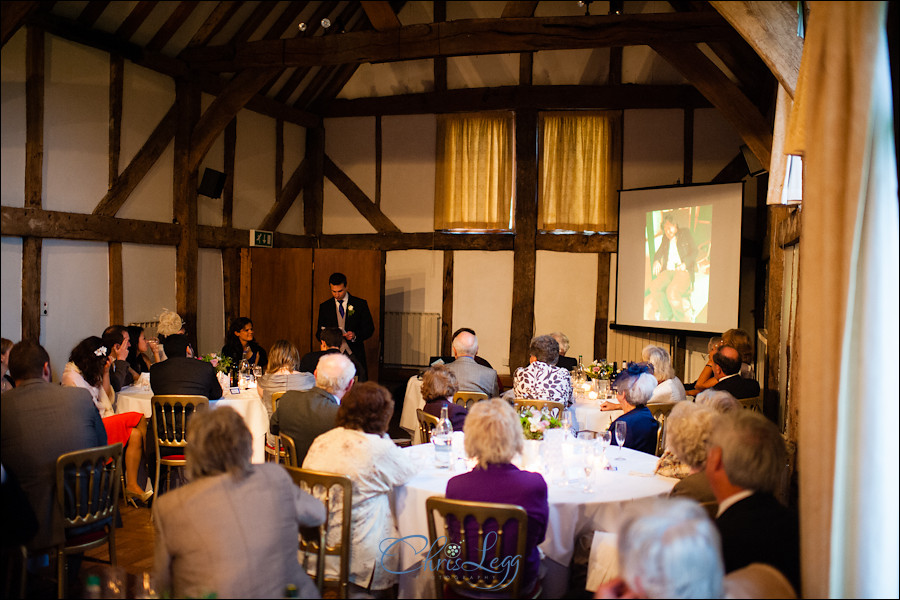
(247, 404)
(589, 416)
(573, 512)
(411, 401)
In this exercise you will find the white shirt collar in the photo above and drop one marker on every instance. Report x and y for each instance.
(728, 376)
(732, 500)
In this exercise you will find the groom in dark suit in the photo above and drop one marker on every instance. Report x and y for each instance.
(351, 314)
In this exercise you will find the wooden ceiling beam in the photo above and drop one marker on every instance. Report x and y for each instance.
(255, 19)
(214, 23)
(135, 18)
(514, 10)
(381, 15)
(13, 15)
(286, 21)
(172, 24)
(358, 198)
(545, 97)
(724, 94)
(771, 30)
(91, 13)
(465, 38)
(287, 196)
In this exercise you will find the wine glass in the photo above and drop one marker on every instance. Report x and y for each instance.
(588, 455)
(605, 441)
(621, 430)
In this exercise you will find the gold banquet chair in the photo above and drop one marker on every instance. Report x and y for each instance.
(169, 421)
(456, 514)
(467, 399)
(661, 412)
(289, 450)
(755, 403)
(426, 424)
(87, 491)
(555, 409)
(336, 492)
(271, 454)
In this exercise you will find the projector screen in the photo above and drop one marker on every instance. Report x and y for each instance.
(679, 257)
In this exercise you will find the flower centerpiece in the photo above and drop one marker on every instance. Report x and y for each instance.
(599, 370)
(535, 422)
(221, 363)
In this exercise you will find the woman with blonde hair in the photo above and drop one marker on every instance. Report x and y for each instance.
(282, 374)
(494, 437)
(669, 388)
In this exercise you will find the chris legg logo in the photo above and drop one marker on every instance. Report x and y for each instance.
(507, 567)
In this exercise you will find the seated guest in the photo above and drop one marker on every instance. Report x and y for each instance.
(39, 421)
(360, 449)
(141, 353)
(634, 386)
(240, 345)
(741, 341)
(116, 338)
(542, 379)
(494, 437)
(669, 388)
(438, 386)
(282, 374)
(706, 379)
(727, 370)
(564, 361)
(744, 464)
(471, 376)
(687, 432)
(670, 550)
(170, 323)
(6, 382)
(305, 415)
(181, 373)
(449, 359)
(88, 368)
(330, 340)
(719, 400)
(232, 531)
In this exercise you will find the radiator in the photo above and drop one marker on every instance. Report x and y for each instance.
(149, 328)
(622, 345)
(411, 338)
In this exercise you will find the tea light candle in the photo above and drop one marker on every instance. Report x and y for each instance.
(592, 395)
(586, 386)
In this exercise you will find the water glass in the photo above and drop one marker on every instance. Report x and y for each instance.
(605, 441)
(621, 430)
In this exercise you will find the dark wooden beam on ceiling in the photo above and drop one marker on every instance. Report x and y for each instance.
(771, 30)
(13, 15)
(737, 109)
(734, 171)
(139, 166)
(214, 23)
(255, 19)
(212, 84)
(465, 38)
(287, 21)
(377, 219)
(381, 15)
(343, 74)
(135, 19)
(514, 10)
(544, 97)
(299, 179)
(172, 24)
(91, 13)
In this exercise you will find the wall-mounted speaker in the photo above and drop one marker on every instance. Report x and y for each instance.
(212, 184)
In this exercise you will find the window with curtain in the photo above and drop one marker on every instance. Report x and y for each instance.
(580, 170)
(474, 176)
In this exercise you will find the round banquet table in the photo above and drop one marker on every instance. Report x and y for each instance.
(411, 401)
(588, 415)
(247, 404)
(573, 512)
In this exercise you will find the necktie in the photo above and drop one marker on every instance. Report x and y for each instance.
(341, 309)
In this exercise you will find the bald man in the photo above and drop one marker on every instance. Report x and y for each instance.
(727, 369)
(471, 376)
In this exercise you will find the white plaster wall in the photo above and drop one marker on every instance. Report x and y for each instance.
(715, 144)
(12, 123)
(482, 300)
(209, 210)
(565, 298)
(407, 171)
(76, 126)
(294, 152)
(390, 79)
(210, 302)
(75, 285)
(653, 148)
(571, 67)
(350, 143)
(11, 288)
(148, 281)
(414, 281)
(488, 70)
(254, 170)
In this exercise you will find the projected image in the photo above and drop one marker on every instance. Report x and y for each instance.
(676, 281)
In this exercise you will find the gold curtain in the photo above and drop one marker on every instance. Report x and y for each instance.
(474, 175)
(581, 170)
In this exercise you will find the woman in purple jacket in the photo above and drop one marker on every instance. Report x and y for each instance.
(494, 437)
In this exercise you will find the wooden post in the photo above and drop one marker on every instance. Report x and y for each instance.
(34, 164)
(228, 190)
(771, 400)
(447, 305)
(688, 146)
(116, 93)
(187, 98)
(525, 258)
(116, 295)
(314, 196)
(601, 317)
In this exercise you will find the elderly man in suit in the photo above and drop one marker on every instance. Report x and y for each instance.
(351, 314)
(471, 376)
(181, 373)
(308, 414)
(727, 370)
(39, 422)
(745, 459)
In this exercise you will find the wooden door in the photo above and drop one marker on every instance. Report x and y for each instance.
(280, 290)
(364, 270)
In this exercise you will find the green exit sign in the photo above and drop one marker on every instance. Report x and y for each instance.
(261, 239)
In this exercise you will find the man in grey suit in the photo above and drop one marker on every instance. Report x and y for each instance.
(471, 376)
(39, 421)
(308, 414)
